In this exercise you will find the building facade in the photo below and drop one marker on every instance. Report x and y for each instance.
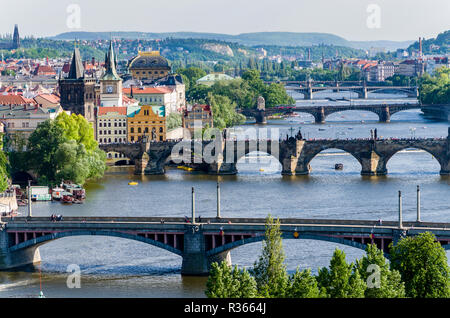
(112, 128)
(197, 118)
(149, 121)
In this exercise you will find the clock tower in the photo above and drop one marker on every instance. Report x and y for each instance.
(110, 83)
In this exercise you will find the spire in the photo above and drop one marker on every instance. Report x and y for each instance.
(76, 67)
(110, 64)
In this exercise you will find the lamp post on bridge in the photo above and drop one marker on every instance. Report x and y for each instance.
(400, 219)
(29, 199)
(218, 200)
(193, 205)
(418, 204)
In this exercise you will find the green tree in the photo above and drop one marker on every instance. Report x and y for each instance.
(381, 281)
(270, 271)
(302, 285)
(224, 111)
(174, 120)
(65, 148)
(227, 282)
(341, 280)
(423, 266)
(275, 94)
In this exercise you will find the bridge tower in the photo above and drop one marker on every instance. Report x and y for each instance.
(260, 114)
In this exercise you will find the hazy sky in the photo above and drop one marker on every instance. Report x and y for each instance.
(398, 19)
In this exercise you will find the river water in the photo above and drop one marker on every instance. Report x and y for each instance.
(114, 267)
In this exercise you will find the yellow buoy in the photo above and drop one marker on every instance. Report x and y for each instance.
(132, 183)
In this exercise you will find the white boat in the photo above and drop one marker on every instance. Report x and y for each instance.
(57, 193)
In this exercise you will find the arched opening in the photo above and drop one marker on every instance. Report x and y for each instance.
(257, 162)
(411, 115)
(353, 115)
(342, 93)
(334, 161)
(21, 177)
(300, 118)
(302, 253)
(413, 162)
(107, 255)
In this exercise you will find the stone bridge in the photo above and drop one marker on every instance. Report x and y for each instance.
(201, 243)
(320, 113)
(295, 154)
(362, 90)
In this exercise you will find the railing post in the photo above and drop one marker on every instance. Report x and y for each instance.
(218, 200)
(29, 198)
(418, 204)
(400, 220)
(193, 205)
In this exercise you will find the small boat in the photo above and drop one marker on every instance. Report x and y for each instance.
(132, 183)
(339, 166)
(262, 170)
(67, 197)
(57, 193)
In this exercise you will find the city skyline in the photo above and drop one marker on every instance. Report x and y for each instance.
(364, 20)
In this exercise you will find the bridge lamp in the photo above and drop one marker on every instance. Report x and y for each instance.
(400, 218)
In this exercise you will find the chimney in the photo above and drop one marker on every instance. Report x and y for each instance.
(420, 46)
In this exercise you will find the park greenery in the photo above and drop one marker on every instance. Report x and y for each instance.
(418, 269)
(435, 89)
(62, 149)
(4, 167)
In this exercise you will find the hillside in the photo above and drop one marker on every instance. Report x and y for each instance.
(249, 39)
(438, 45)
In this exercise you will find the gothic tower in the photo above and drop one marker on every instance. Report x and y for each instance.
(78, 91)
(16, 38)
(110, 83)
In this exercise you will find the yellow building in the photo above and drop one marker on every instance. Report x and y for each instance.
(148, 120)
(149, 66)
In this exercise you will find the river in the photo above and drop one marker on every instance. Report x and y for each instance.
(114, 267)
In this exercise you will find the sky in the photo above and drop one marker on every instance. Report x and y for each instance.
(356, 20)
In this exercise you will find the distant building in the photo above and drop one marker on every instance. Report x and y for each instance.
(44, 70)
(380, 72)
(149, 66)
(411, 68)
(47, 100)
(160, 95)
(212, 78)
(15, 44)
(149, 121)
(198, 117)
(21, 116)
(112, 128)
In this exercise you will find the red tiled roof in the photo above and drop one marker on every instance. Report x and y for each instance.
(146, 90)
(52, 98)
(14, 100)
(128, 100)
(105, 110)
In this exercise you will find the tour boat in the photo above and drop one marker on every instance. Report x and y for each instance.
(67, 197)
(57, 193)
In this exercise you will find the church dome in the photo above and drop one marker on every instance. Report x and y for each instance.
(149, 60)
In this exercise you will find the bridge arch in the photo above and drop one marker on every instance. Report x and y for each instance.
(285, 235)
(365, 111)
(304, 164)
(36, 242)
(435, 156)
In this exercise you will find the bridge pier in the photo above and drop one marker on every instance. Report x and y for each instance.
(370, 164)
(16, 259)
(260, 117)
(222, 168)
(196, 262)
(385, 115)
(319, 116)
(145, 166)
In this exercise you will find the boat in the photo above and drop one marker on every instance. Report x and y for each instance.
(132, 183)
(67, 197)
(57, 193)
(74, 189)
(339, 166)
(185, 168)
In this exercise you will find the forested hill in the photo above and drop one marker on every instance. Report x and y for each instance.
(249, 39)
(438, 45)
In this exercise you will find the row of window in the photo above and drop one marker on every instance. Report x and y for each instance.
(109, 140)
(150, 72)
(119, 124)
(116, 155)
(139, 130)
(108, 132)
(132, 138)
(150, 99)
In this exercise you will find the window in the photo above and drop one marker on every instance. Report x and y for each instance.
(139, 130)
(161, 129)
(160, 138)
(132, 130)
(100, 125)
(132, 138)
(146, 129)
